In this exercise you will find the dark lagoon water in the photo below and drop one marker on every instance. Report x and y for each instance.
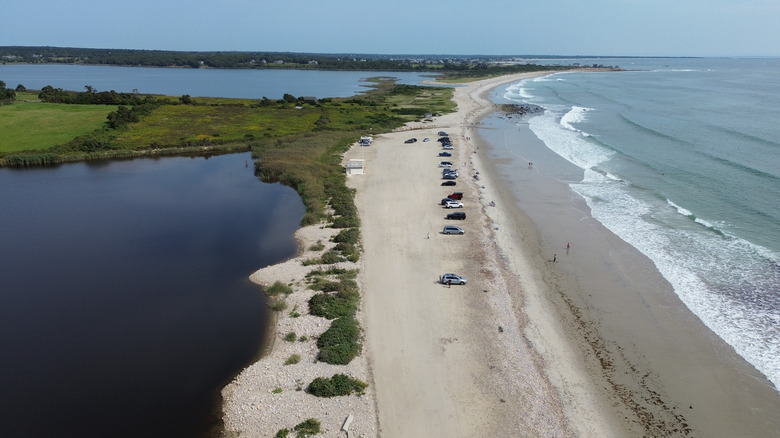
(124, 299)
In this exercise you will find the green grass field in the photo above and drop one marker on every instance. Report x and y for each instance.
(37, 126)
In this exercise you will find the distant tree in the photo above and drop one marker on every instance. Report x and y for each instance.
(6, 94)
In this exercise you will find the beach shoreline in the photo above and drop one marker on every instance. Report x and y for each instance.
(663, 371)
(562, 330)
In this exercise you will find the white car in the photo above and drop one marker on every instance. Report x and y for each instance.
(453, 204)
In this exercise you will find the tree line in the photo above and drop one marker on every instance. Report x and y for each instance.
(266, 60)
(6, 94)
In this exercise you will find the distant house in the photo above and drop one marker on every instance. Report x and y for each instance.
(355, 167)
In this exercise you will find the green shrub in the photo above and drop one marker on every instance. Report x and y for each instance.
(339, 344)
(290, 337)
(307, 428)
(330, 257)
(332, 306)
(338, 385)
(347, 235)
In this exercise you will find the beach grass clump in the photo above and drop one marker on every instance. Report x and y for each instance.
(341, 272)
(293, 359)
(319, 246)
(278, 288)
(304, 429)
(278, 305)
(340, 343)
(329, 257)
(336, 386)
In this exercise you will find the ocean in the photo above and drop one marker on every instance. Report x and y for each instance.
(681, 159)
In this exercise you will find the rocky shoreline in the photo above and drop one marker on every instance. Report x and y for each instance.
(269, 395)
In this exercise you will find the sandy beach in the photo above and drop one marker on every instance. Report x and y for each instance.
(592, 344)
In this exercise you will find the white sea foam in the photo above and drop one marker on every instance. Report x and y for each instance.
(738, 304)
(518, 92)
(571, 145)
(679, 209)
(577, 114)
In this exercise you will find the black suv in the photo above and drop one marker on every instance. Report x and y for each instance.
(457, 215)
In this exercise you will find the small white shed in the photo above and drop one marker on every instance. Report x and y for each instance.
(356, 167)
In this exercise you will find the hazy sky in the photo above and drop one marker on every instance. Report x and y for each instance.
(488, 27)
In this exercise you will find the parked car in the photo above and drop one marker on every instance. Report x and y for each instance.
(452, 229)
(445, 164)
(411, 140)
(456, 195)
(457, 216)
(453, 204)
(445, 154)
(452, 279)
(449, 183)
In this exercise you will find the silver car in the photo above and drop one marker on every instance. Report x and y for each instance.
(452, 279)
